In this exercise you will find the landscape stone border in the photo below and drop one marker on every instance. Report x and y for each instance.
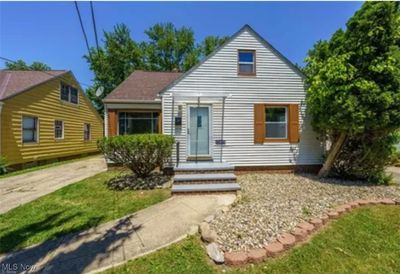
(286, 241)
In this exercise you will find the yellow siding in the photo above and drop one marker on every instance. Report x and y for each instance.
(44, 102)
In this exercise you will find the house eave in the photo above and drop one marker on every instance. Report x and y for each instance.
(129, 101)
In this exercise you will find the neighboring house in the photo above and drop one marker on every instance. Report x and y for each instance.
(45, 116)
(243, 105)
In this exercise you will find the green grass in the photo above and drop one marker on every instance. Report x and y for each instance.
(186, 257)
(364, 241)
(40, 167)
(73, 208)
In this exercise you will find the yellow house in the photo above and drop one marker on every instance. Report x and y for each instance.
(45, 116)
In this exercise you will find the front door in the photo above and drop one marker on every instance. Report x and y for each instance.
(199, 131)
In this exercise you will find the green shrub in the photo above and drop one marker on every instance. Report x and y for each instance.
(366, 156)
(141, 153)
(3, 165)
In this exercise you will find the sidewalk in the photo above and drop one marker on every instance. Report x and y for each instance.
(115, 242)
(21, 189)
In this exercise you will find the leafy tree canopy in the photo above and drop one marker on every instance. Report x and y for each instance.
(22, 65)
(354, 78)
(167, 49)
(113, 62)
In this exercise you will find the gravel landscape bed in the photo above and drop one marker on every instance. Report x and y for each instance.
(272, 204)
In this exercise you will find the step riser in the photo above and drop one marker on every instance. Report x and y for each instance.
(204, 192)
(204, 182)
(177, 172)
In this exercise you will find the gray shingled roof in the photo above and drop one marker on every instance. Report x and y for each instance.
(142, 86)
(13, 82)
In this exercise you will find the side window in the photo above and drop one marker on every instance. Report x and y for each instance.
(246, 62)
(86, 132)
(29, 129)
(69, 94)
(64, 93)
(276, 122)
(58, 129)
(74, 95)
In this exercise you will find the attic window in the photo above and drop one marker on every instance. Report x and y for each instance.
(69, 94)
(247, 62)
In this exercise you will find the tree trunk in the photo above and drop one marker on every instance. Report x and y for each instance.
(333, 152)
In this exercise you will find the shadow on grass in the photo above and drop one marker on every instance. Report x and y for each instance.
(13, 239)
(70, 254)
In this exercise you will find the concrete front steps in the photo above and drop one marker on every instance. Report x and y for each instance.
(204, 177)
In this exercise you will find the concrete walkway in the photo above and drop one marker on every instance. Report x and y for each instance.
(116, 242)
(20, 189)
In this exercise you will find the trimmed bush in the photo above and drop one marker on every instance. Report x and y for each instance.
(141, 153)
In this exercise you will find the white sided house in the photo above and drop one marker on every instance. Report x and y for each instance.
(242, 108)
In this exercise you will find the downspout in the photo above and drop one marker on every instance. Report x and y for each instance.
(1, 107)
(222, 127)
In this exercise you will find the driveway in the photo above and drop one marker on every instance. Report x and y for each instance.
(21, 189)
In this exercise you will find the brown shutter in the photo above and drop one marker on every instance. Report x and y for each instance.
(294, 135)
(160, 123)
(259, 123)
(112, 122)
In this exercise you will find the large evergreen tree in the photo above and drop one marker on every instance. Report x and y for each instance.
(354, 86)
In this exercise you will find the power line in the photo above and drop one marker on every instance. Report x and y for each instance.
(94, 25)
(43, 71)
(83, 29)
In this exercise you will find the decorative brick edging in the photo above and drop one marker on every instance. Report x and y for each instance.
(302, 232)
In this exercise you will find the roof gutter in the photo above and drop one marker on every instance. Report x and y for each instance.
(132, 101)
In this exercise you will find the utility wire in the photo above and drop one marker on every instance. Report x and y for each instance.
(43, 71)
(83, 29)
(94, 25)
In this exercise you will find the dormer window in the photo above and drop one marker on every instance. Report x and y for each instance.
(69, 94)
(247, 62)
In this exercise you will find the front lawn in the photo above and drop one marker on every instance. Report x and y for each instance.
(367, 240)
(76, 207)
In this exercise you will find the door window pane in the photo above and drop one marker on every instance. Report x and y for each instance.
(199, 131)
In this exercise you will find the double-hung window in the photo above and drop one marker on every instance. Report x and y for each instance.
(86, 132)
(247, 62)
(276, 122)
(59, 129)
(29, 129)
(69, 94)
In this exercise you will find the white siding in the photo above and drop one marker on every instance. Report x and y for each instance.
(276, 82)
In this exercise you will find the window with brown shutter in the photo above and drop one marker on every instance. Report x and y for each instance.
(276, 123)
(294, 124)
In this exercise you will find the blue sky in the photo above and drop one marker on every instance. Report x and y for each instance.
(50, 31)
